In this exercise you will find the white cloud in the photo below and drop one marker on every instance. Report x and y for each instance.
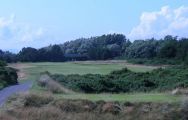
(14, 35)
(157, 24)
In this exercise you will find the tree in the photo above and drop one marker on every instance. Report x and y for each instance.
(142, 49)
(169, 48)
(28, 55)
(56, 54)
(182, 49)
(43, 55)
(114, 50)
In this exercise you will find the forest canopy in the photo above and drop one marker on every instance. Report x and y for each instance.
(111, 46)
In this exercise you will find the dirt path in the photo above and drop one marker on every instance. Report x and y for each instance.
(7, 92)
(22, 75)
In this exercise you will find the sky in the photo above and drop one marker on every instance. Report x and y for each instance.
(39, 23)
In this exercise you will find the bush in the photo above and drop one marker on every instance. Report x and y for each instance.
(127, 81)
(2, 63)
(8, 76)
(37, 100)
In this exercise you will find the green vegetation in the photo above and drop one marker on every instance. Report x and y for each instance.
(73, 68)
(2, 63)
(8, 76)
(33, 70)
(154, 61)
(127, 81)
(95, 67)
(168, 50)
(133, 97)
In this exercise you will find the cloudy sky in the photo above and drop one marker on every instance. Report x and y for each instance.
(38, 23)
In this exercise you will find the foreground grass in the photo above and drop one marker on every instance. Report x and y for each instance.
(135, 97)
(32, 106)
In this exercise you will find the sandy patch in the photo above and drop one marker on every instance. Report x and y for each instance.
(22, 75)
(20, 65)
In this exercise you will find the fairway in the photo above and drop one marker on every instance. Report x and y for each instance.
(32, 70)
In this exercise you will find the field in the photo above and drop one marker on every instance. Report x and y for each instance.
(31, 71)
(135, 97)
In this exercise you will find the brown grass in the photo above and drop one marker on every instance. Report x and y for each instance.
(46, 81)
(22, 75)
(43, 107)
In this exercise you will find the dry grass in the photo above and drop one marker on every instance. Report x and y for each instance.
(53, 113)
(43, 107)
(51, 85)
(37, 100)
(27, 99)
(22, 75)
(6, 116)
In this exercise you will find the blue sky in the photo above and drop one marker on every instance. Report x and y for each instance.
(38, 23)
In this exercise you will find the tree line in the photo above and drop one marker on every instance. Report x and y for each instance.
(105, 47)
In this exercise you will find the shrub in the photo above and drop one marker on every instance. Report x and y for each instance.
(3, 63)
(37, 100)
(8, 76)
(126, 81)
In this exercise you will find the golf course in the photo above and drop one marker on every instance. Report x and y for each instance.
(32, 71)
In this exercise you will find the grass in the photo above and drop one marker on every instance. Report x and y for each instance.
(46, 107)
(76, 68)
(33, 70)
(94, 67)
(135, 97)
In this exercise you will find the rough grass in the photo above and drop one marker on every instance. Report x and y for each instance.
(61, 109)
(52, 85)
